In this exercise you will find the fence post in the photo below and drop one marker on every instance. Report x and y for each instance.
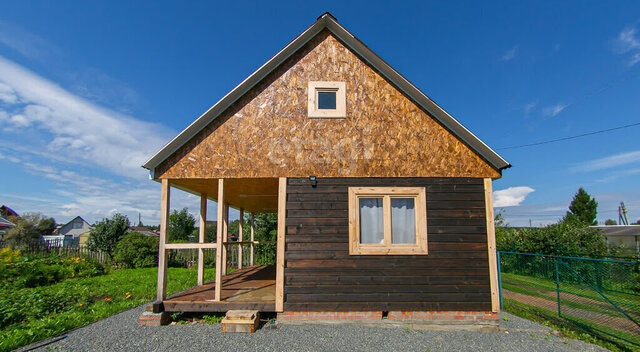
(499, 280)
(557, 284)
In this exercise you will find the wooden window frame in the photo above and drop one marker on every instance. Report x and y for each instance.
(387, 248)
(340, 112)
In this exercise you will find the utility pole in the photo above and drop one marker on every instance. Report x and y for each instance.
(622, 214)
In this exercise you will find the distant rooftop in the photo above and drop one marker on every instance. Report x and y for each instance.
(618, 230)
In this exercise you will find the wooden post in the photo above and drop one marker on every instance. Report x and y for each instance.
(282, 216)
(161, 293)
(251, 228)
(491, 244)
(219, 248)
(240, 223)
(225, 233)
(202, 232)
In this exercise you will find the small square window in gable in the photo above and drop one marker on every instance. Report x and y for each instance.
(326, 99)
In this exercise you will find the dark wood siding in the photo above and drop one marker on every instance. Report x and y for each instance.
(320, 275)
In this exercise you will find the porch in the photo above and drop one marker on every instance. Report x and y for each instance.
(251, 287)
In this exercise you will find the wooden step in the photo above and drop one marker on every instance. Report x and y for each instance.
(241, 321)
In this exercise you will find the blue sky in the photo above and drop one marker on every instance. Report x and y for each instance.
(89, 91)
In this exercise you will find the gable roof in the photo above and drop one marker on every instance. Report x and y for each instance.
(329, 22)
(74, 219)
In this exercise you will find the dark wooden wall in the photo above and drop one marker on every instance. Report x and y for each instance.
(320, 275)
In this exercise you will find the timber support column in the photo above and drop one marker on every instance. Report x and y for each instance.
(219, 246)
(240, 229)
(164, 239)
(491, 245)
(280, 247)
(225, 238)
(201, 237)
(252, 231)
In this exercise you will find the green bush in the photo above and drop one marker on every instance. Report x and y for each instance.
(28, 272)
(136, 250)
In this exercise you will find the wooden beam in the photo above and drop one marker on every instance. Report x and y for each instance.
(240, 223)
(201, 233)
(191, 245)
(491, 244)
(225, 233)
(161, 293)
(251, 230)
(282, 216)
(219, 248)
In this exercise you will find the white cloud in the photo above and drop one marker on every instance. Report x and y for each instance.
(76, 128)
(511, 196)
(509, 54)
(554, 110)
(24, 42)
(529, 107)
(628, 43)
(7, 94)
(608, 162)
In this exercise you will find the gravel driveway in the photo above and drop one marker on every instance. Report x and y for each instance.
(122, 333)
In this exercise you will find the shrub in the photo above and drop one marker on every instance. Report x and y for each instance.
(136, 250)
(33, 272)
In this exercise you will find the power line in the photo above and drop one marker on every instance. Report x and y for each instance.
(571, 137)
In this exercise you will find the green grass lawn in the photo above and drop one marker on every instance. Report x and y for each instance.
(629, 300)
(33, 314)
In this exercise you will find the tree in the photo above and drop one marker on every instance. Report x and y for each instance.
(610, 222)
(26, 232)
(46, 226)
(583, 208)
(106, 233)
(181, 225)
(136, 250)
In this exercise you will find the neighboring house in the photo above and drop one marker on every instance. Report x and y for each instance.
(143, 230)
(6, 214)
(5, 225)
(68, 234)
(383, 198)
(625, 235)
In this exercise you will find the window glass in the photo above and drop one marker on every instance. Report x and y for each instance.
(327, 100)
(371, 221)
(403, 220)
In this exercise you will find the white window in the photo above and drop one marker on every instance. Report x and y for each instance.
(387, 220)
(326, 99)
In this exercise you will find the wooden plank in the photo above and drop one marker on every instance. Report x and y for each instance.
(385, 297)
(191, 245)
(491, 245)
(252, 231)
(386, 306)
(240, 229)
(216, 307)
(293, 256)
(161, 292)
(386, 289)
(282, 218)
(363, 283)
(219, 244)
(201, 236)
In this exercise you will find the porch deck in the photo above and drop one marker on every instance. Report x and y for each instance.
(251, 288)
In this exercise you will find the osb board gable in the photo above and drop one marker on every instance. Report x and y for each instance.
(267, 133)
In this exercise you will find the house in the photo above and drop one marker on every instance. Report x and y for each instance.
(622, 235)
(143, 230)
(383, 198)
(68, 234)
(5, 225)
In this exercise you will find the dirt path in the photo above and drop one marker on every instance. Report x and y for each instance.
(622, 324)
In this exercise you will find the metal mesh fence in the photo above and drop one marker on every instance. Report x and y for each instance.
(601, 296)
